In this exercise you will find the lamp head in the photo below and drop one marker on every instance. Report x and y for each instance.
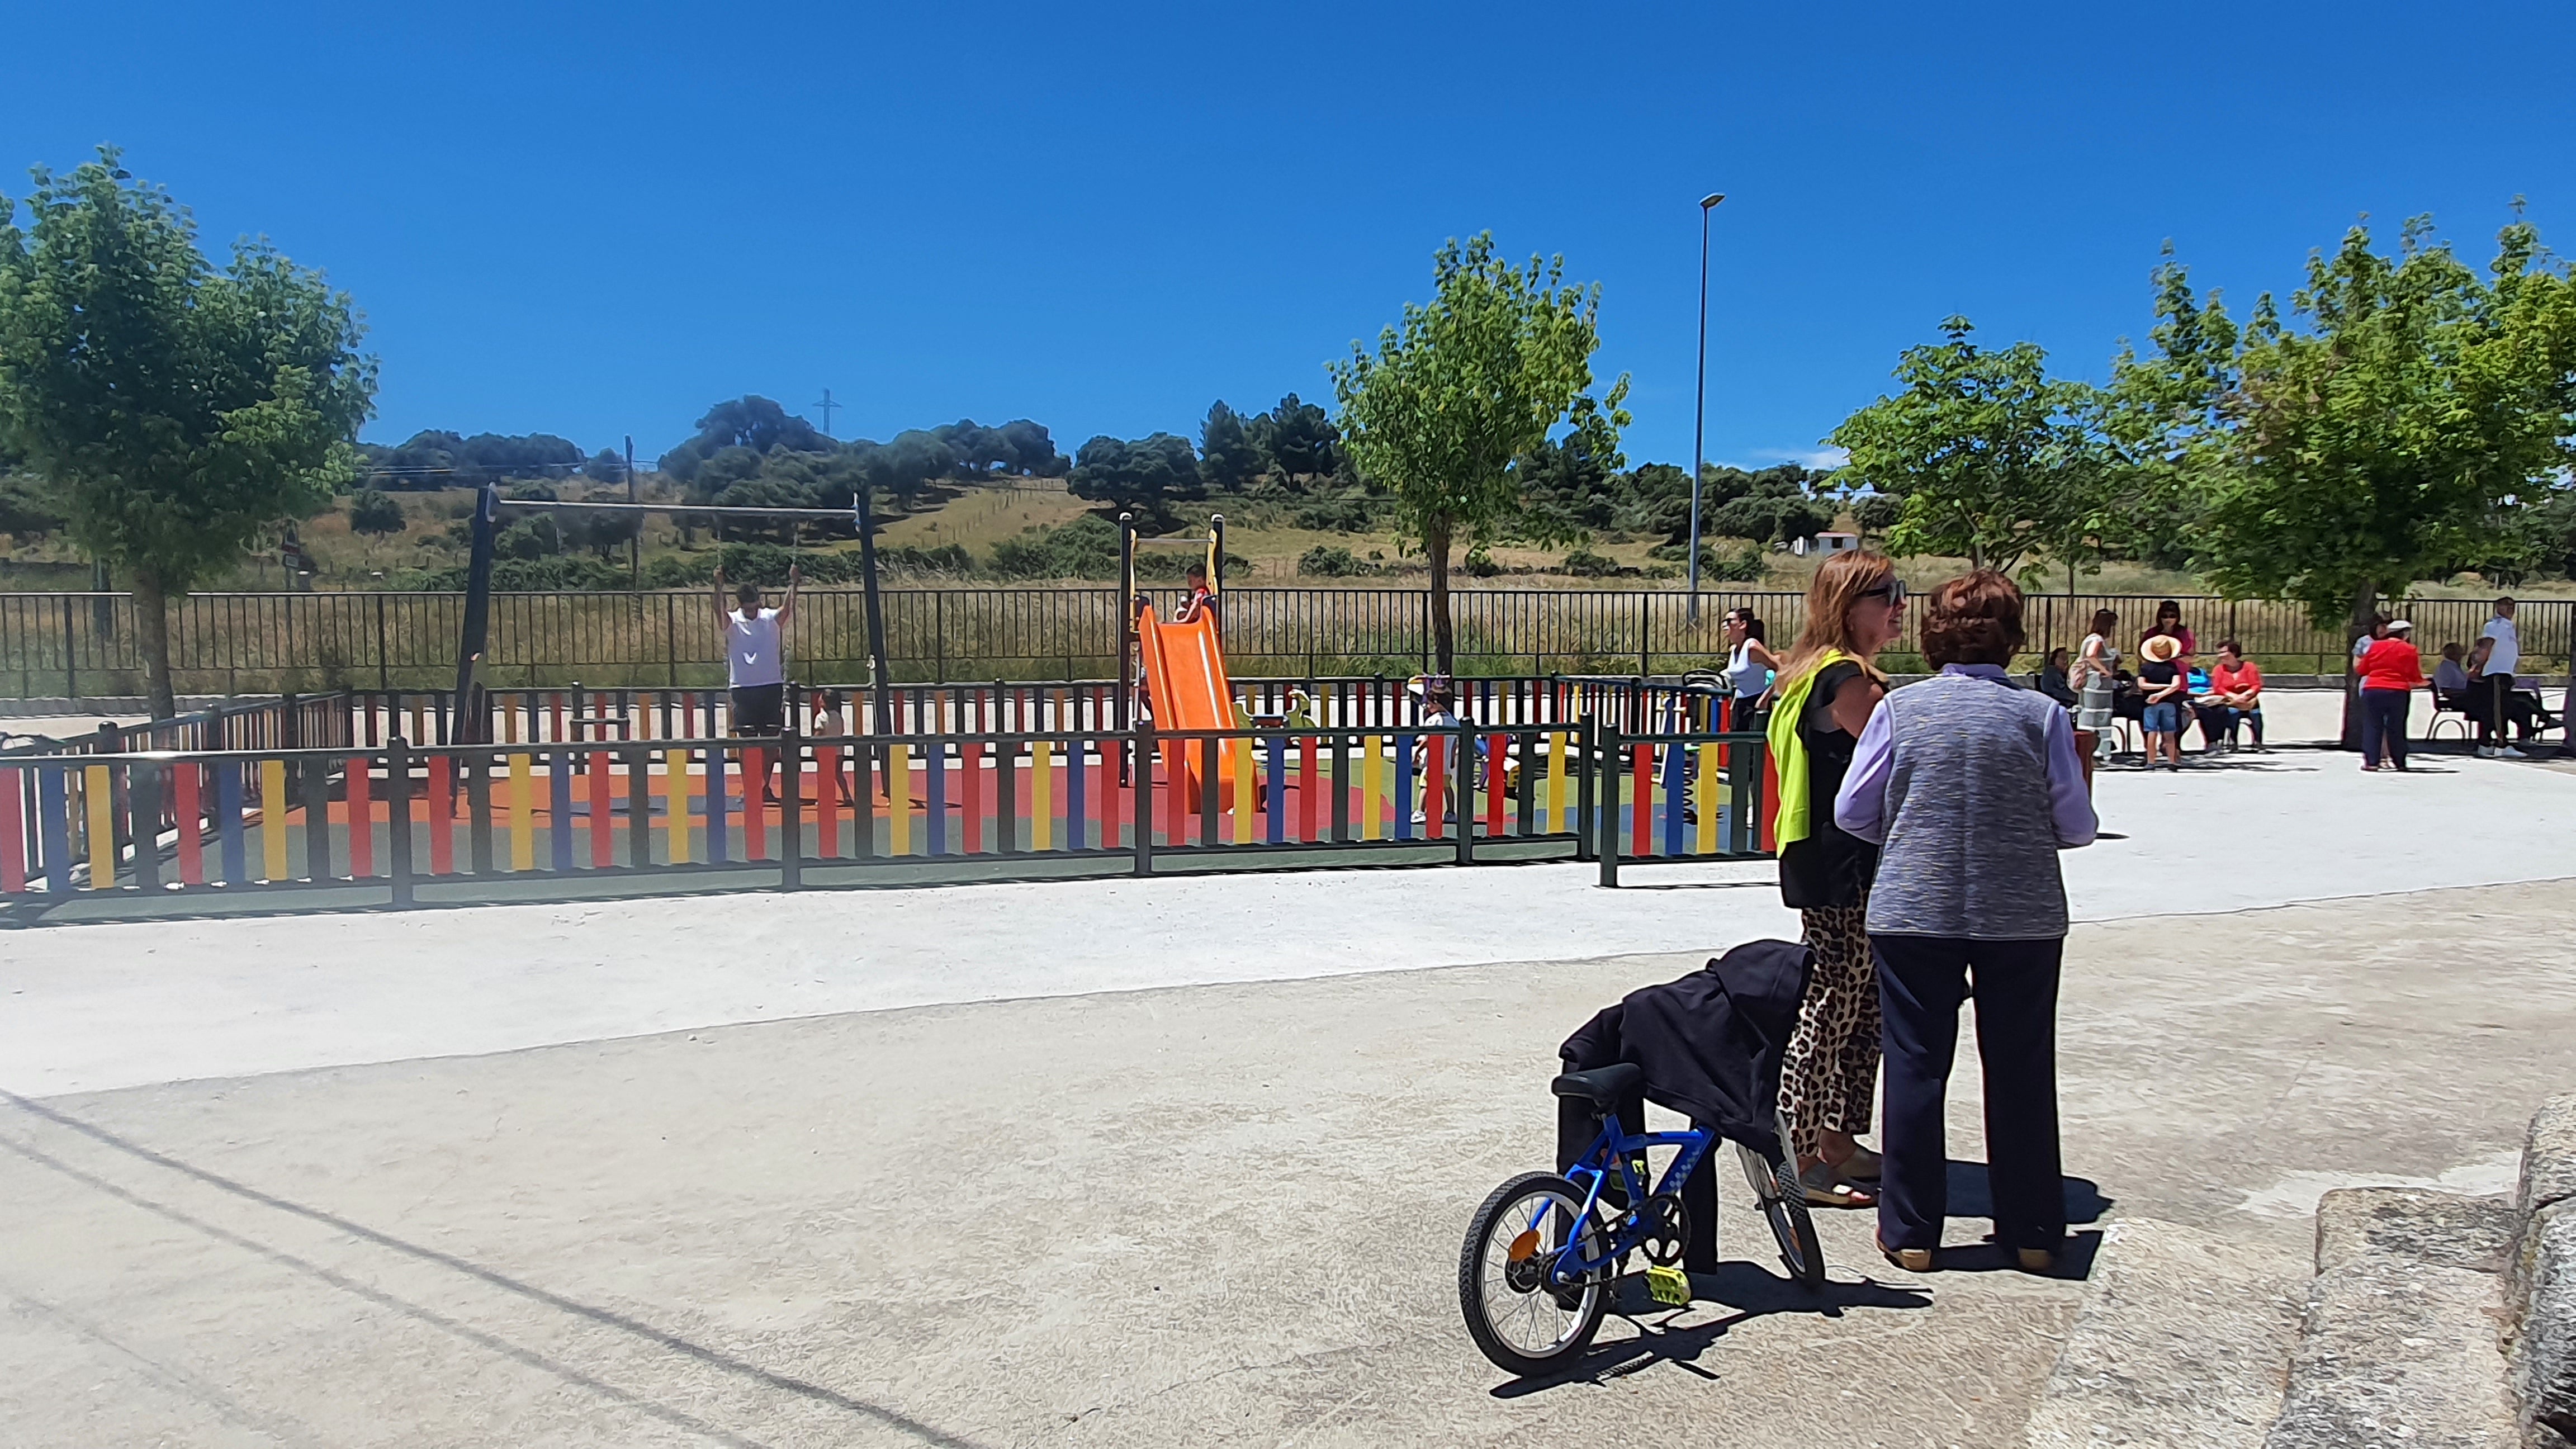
(1712, 199)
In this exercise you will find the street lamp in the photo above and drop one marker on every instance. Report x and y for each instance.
(1699, 414)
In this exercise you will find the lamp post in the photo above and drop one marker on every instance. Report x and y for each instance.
(1699, 412)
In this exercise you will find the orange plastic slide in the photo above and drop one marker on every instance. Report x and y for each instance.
(1185, 679)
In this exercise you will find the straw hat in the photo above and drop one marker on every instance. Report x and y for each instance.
(2160, 647)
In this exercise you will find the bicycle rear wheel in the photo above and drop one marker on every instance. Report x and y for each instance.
(1517, 1321)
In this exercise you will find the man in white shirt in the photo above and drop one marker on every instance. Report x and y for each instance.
(755, 660)
(2491, 667)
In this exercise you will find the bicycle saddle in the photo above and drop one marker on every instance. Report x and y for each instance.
(1604, 1085)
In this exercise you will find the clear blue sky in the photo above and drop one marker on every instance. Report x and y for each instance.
(597, 220)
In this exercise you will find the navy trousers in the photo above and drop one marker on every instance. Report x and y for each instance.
(1921, 982)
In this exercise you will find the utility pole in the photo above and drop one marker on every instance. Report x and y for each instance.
(1699, 414)
(827, 405)
(635, 540)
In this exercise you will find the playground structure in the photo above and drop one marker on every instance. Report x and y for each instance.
(545, 792)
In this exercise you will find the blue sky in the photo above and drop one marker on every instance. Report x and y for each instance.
(597, 220)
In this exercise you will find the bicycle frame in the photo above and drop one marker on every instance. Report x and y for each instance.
(1619, 1150)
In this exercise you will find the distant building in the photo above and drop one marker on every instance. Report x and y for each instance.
(1826, 544)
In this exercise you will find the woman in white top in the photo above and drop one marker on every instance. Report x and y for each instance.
(1750, 667)
(2098, 654)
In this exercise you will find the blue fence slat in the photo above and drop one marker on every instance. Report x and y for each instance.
(1404, 787)
(1077, 820)
(1676, 773)
(559, 781)
(54, 828)
(1278, 788)
(939, 801)
(719, 803)
(228, 822)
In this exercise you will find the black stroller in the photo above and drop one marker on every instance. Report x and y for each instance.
(1544, 1248)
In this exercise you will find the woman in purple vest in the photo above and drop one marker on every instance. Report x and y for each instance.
(1970, 786)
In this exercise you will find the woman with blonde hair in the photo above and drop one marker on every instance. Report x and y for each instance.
(1828, 685)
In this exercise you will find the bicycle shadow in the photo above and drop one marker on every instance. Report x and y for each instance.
(1749, 1289)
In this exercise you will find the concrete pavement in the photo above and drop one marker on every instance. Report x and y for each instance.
(1184, 1216)
(1166, 1162)
(110, 1005)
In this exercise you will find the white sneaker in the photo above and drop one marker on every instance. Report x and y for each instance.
(2508, 752)
(2486, 752)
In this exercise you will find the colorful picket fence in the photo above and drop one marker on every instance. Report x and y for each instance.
(836, 810)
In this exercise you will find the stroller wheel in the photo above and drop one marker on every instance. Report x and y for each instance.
(1784, 1206)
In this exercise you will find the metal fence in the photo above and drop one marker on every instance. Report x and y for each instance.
(83, 645)
(104, 835)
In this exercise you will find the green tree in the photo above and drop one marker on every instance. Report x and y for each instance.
(374, 514)
(1147, 477)
(1296, 441)
(1986, 451)
(1774, 505)
(1226, 455)
(2395, 433)
(177, 410)
(1465, 386)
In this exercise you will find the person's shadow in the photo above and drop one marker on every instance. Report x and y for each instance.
(1751, 1290)
(1972, 1196)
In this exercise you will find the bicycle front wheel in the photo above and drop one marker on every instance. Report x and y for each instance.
(1784, 1206)
(1523, 1325)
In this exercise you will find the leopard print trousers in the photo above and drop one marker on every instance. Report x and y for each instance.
(1830, 1073)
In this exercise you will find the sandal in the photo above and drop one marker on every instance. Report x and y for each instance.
(1912, 1260)
(1861, 1167)
(1825, 1188)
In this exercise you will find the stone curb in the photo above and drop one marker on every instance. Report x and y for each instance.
(2540, 1281)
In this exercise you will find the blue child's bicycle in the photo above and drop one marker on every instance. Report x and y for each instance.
(1545, 1248)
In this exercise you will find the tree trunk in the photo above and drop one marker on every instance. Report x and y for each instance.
(2365, 602)
(152, 636)
(1435, 547)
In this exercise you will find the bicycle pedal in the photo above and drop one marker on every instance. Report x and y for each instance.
(1669, 1286)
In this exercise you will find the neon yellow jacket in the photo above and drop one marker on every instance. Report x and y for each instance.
(1789, 752)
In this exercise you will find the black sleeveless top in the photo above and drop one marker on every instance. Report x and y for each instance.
(1831, 867)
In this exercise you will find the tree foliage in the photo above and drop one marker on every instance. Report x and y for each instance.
(1149, 476)
(175, 409)
(1459, 390)
(1986, 452)
(2386, 433)
(1228, 458)
(374, 513)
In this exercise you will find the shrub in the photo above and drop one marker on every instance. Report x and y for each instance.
(1330, 561)
(1583, 563)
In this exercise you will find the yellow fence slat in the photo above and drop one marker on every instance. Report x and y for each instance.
(1555, 782)
(1707, 791)
(272, 818)
(675, 804)
(899, 800)
(1243, 791)
(102, 828)
(1372, 786)
(1042, 795)
(523, 816)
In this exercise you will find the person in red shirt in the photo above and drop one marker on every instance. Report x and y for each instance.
(2236, 693)
(2391, 672)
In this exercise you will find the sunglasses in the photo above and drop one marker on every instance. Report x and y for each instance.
(1893, 591)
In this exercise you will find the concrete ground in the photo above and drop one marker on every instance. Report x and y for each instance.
(1164, 1162)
